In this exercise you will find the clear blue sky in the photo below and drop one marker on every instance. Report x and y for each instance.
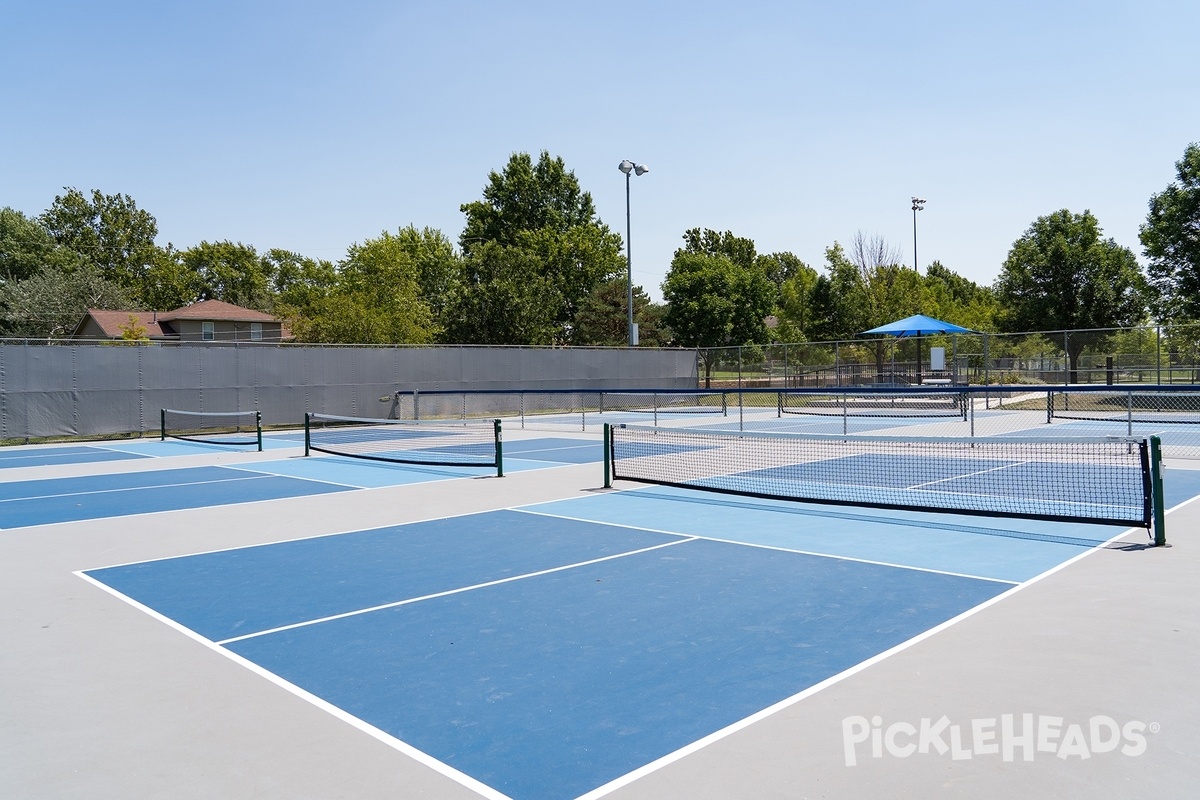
(310, 126)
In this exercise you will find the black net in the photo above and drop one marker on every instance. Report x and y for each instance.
(467, 442)
(234, 428)
(1087, 480)
(875, 404)
(1122, 405)
(665, 402)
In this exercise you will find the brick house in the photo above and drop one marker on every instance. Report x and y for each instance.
(205, 321)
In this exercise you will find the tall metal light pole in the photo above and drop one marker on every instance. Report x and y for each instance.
(918, 205)
(627, 167)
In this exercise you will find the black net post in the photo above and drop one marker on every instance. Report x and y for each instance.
(162, 422)
(499, 448)
(258, 428)
(607, 456)
(1156, 490)
(307, 432)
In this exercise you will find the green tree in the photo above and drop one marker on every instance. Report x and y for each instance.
(169, 283)
(840, 306)
(956, 299)
(533, 219)
(1171, 241)
(435, 265)
(780, 267)
(229, 272)
(50, 303)
(1061, 275)
(26, 248)
(603, 319)
(503, 296)
(109, 231)
(526, 197)
(376, 299)
(297, 281)
(712, 303)
(797, 307)
(739, 250)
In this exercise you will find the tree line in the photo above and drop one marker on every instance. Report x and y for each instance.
(535, 265)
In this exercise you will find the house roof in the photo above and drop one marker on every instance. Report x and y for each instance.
(112, 322)
(158, 323)
(216, 310)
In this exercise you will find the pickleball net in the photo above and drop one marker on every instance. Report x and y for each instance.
(874, 404)
(232, 428)
(1100, 480)
(446, 443)
(665, 402)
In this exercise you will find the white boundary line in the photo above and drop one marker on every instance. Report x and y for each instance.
(449, 592)
(780, 549)
(130, 488)
(386, 738)
(716, 736)
(630, 777)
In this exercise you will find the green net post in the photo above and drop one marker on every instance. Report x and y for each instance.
(307, 438)
(258, 428)
(607, 456)
(162, 423)
(499, 448)
(1156, 490)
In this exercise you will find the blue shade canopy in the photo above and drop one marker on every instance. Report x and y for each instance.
(917, 325)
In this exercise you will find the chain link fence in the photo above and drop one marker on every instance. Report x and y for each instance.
(1108, 356)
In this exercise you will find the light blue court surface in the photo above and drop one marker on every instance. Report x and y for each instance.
(821, 424)
(559, 451)
(12, 458)
(162, 448)
(54, 500)
(49, 455)
(544, 656)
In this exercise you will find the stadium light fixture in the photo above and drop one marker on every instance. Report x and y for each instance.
(628, 167)
(918, 204)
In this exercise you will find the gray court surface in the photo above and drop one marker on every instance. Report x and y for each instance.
(1080, 683)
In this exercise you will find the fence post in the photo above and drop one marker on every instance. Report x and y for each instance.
(1068, 378)
(1158, 355)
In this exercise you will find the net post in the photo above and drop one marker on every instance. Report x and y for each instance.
(499, 438)
(307, 437)
(258, 428)
(607, 456)
(1156, 491)
(162, 423)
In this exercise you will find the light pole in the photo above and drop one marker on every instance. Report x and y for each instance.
(627, 167)
(918, 205)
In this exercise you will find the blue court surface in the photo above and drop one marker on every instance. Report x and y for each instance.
(546, 651)
(58, 456)
(54, 500)
(49, 455)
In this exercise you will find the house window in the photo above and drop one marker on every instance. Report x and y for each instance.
(256, 331)
(208, 331)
